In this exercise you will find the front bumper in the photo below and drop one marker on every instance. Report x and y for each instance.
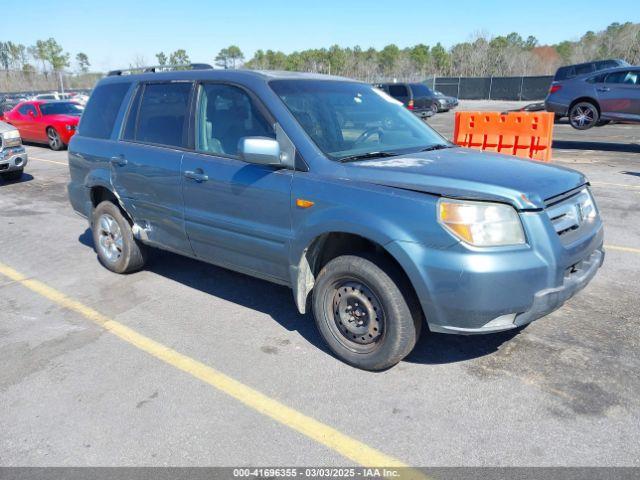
(473, 291)
(13, 158)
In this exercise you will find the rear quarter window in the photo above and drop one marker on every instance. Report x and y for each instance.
(102, 109)
(398, 91)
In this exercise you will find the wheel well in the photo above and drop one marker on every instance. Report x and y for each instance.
(328, 246)
(100, 194)
(585, 99)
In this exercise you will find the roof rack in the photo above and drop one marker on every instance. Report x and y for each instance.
(159, 68)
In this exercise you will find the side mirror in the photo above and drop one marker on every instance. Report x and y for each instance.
(260, 150)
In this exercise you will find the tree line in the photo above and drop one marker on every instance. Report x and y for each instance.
(482, 55)
(45, 55)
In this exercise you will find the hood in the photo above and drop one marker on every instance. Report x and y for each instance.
(470, 174)
(63, 118)
(5, 127)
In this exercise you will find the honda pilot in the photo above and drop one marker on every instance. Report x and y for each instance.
(331, 187)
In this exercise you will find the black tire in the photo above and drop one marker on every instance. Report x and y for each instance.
(583, 115)
(12, 176)
(389, 327)
(126, 256)
(55, 141)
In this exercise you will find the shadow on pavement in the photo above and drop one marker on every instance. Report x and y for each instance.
(277, 302)
(602, 146)
(25, 178)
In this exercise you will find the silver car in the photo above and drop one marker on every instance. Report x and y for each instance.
(13, 156)
(597, 98)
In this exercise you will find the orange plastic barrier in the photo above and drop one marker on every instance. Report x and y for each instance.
(524, 134)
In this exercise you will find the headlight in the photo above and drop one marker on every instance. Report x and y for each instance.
(443, 101)
(481, 224)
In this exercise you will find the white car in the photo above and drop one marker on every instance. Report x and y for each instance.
(13, 156)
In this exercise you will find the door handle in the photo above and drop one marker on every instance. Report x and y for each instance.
(198, 175)
(603, 89)
(118, 161)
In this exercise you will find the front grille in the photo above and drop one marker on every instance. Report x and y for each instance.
(571, 213)
(4, 166)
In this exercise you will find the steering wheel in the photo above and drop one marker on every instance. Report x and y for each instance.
(368, 133)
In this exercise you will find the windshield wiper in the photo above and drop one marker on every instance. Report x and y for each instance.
(437, 146)
(365, 156)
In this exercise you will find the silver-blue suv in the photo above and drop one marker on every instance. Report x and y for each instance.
(332, 188)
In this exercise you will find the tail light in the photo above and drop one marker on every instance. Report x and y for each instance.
(554, 88)
(410, 105)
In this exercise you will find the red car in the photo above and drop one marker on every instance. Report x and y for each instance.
(42, 121)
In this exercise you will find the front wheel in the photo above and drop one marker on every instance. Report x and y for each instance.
(434, 108)
(55, 142)
(583, 115)
(365, 312)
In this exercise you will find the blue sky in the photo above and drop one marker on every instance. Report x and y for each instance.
(113, 32)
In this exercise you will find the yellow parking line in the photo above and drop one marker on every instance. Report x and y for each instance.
(315, 430)
(622, 249)
(45, 160)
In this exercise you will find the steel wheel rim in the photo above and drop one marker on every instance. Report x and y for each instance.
(110, 240)
(583, 115)
(54, 138)
(356, 316)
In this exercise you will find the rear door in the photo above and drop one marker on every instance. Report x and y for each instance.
(237, 214)
(619, 95)
(145, 166)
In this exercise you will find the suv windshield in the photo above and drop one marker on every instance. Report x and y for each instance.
(349, 119)
(62, 108)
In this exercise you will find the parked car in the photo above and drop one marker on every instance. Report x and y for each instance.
(572, 71)
(52, 122)
(13, 156)
(445, 102)
(330, 187)
(597, 99)
(416, 97)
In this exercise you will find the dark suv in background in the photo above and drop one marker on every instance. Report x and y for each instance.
(598, 98)
(417, 97)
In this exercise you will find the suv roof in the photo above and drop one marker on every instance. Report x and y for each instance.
(586, 68)
(214, 74)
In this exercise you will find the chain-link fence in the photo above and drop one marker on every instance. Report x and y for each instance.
(492, 88)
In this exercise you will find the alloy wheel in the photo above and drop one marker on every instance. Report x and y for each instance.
(110, 240)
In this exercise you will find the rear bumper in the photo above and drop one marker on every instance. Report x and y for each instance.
(423, 113)
(555, 107)
(13, 158)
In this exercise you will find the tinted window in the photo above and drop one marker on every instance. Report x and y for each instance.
(626, 78)
(596, 79)
(162, 114)
(584, 69)
(398, 91)
(349, 118)
(25, 109)
(62, 108)
(225, 115)
(132, 117)
(102, 109)
(420, 90)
